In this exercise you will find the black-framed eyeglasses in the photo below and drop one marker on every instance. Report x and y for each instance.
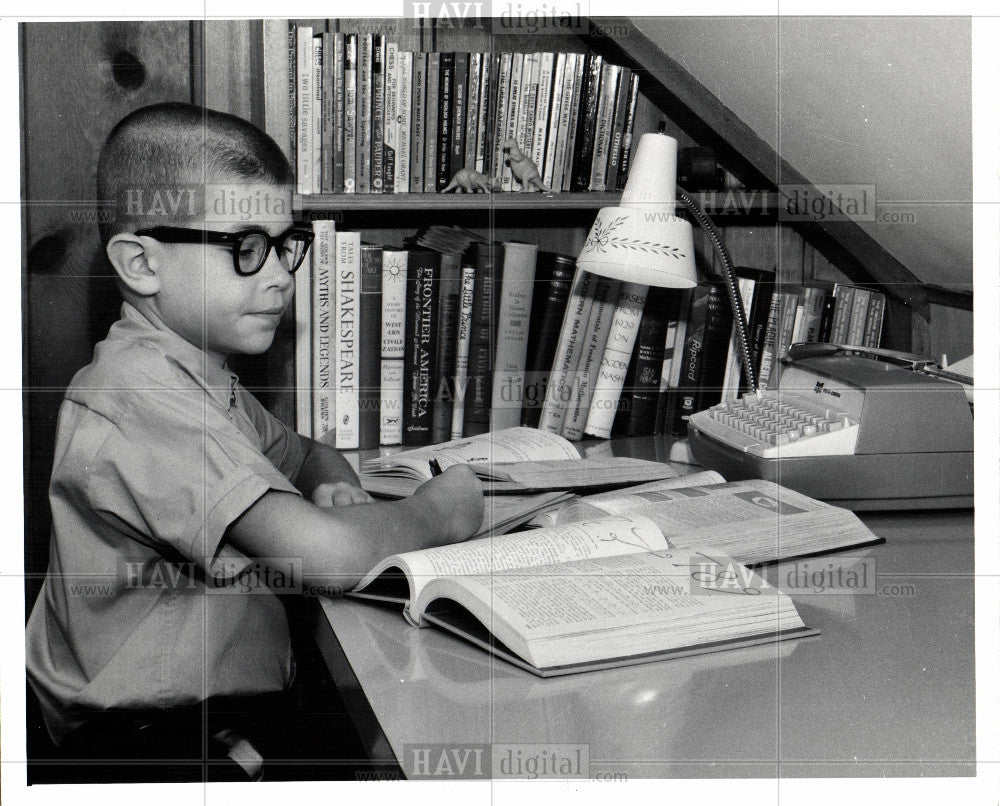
(250, 247)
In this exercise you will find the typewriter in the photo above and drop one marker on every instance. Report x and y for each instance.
(860, 428)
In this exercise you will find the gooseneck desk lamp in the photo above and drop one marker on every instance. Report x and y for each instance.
(643, 241)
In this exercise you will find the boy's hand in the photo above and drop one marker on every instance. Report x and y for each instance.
(339, 494)
(454, 501)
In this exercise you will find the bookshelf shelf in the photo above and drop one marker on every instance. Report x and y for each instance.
(454, 201)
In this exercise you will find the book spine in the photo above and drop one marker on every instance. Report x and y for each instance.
(731, 375)
(769, 354)
(293, 91)
(378, 114)
(337, 180)
(390, 122)
(304, 342)
(304, 100)
(616, 358)
(459, 112)
(499, 117)
(674, 353)
(548, 164)
(350, 113)
(650, 346)
(369, 359)
(491, 127)
(348, 311)
(449, 293)
(859, 316)
(519, 262)
(279, 52)
(418, 126)
(317, 113)
(462, 350)
(598, 327)
(526, 114)
(786, 326)
(844, 295)
(610, 74)
(590, 97)
(543, 100)
(873, 325)
(561, 388)
(393, 350)
(760, 310)
(826, 319)
(326, 122)
(423, 271)
(401, 180)
(618, 129)
(482, 339)
(473, 106)
(432, 143)
(510, 116)
(445, 110)
(487, 81)
(627, 137)
(573, 127)
(364, 120)
(691, 357)
(323, 347)
(718, 326)
(554, 278)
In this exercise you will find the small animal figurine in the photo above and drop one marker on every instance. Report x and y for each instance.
(523, 169)
(467, 180)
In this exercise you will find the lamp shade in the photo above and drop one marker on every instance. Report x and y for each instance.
(642, 241)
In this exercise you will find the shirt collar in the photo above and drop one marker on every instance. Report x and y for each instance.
(218, 381)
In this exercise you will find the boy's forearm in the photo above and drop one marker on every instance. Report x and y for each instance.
(323, 465)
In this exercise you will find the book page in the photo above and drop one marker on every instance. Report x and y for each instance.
(578, 541)
(567, 474)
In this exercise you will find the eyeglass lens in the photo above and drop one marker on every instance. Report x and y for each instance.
(255, 246)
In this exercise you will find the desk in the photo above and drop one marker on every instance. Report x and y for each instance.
(887, 689)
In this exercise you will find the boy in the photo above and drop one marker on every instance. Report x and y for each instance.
(170, 480)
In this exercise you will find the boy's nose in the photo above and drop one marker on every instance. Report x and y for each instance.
(276, 272)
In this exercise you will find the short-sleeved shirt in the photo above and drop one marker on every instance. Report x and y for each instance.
(158, 451)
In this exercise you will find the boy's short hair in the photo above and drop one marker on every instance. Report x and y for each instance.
(157, 155)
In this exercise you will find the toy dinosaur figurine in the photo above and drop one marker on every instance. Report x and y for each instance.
(523, 169)
(467, 180)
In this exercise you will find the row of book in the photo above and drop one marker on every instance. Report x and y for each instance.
(416, 345)
(369, 117)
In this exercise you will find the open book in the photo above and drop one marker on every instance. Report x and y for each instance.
(511, 460)
(587, 595)
(753, 521)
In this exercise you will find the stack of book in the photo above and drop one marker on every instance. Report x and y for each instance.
(370, 117)
(416, 345)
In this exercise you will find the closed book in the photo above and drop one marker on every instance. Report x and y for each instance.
(443, 382)
(378, 114)
(543, 100)
(595, 340)
(618, 129)
(473, 108)
(326, 114)
(718, 328)
(445, 123)
(482, 339)
(487, 120)
(369, 351)
(346, 372)
(560, 391)
(548, 163)
(511, 114)
(513, 320)
(526, 117)
(583, 157)
(573, 125)
(615, 361)
(628, 133)
(673, 356)
(650, 346)
(876, 313)
(498, 120)
(691, 356)
(769, 352)
(844, 296)
(461, 377)
(337, 67)
(760, 310)
(423, 271)
(432, 145)
(859, 316)
(394, 264)
(401, 175)
(363, 153)
(324, 357)
(304, 108)
(610, 74)
(303, 342)
(317, 113)
(731, 376)
(350, 113)
(826, 320)
(553, 280)
(418, 126)
(390, 119)
(459, 112)
(809, 315)
(790, 300)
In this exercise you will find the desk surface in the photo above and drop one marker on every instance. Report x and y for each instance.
(887, 689)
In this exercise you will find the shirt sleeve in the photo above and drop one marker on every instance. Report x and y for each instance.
(285, 448)
(178, 470)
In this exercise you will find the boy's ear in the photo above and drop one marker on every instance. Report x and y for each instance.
(127, 253)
